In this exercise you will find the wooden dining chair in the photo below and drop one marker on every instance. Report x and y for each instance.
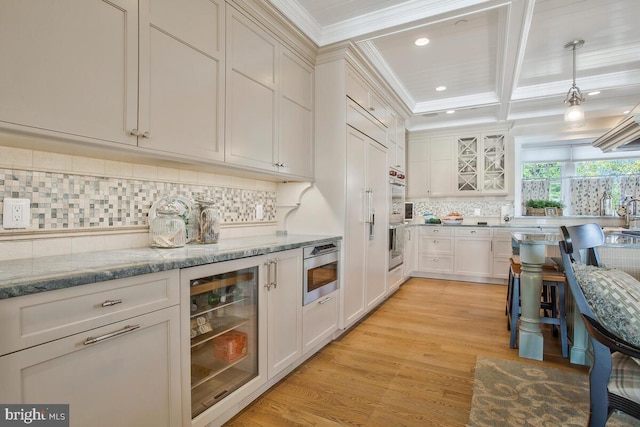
(614, 376)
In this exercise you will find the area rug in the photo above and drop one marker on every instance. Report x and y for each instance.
(510, 393)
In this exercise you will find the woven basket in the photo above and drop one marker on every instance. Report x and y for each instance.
(541, 211)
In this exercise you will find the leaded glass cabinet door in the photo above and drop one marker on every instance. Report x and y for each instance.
(468, 177)
(493, 163)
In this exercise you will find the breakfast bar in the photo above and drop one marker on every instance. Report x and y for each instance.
(533, 250)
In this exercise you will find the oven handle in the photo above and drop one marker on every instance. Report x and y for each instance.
(320, 260)
(392, 238)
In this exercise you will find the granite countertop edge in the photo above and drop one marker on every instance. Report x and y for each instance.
(34, 275)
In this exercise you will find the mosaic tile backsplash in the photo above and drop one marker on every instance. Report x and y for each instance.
(72, 201)
(466, 208)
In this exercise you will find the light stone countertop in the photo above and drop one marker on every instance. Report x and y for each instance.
(32, 275)
(610, 239)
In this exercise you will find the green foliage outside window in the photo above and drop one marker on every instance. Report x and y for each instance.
(550, 171)
(610, 168)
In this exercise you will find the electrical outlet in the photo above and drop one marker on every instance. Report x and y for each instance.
(16, 213)
(259, 212)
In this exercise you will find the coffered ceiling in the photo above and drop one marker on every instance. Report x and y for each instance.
(500, 61)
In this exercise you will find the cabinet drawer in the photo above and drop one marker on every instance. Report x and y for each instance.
(436, 245)
(436, 231)
(34, 319)
(503, 233)
(320, 320)
(473, 232)
(433, 263)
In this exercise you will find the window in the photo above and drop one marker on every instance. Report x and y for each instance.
(552, 172)
(580, 185)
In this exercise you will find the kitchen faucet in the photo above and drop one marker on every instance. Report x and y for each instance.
(631, 203)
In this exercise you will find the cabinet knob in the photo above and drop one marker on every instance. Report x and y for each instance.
(146, 134)
(372, 108)
(134, 132)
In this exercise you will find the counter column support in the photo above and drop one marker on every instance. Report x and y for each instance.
(531, 342)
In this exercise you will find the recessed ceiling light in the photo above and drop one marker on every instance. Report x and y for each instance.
(441, 88)
(595, 92)
(422, 41)
(451, 111)
(626, 112)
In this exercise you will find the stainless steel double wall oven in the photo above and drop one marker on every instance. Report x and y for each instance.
(396, 219)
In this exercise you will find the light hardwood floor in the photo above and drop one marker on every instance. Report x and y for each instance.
(410, 363)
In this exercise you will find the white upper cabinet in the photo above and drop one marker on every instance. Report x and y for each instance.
(177, 80)
(182, 77)
(295, 149)
(269, 123)
(362, 94)
(481, 164)
(457, 165)
(70, 68)
(395, 141)
(431, 167)
(137, 73)
(251, 94)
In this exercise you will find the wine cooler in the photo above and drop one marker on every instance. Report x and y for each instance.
(223, 322)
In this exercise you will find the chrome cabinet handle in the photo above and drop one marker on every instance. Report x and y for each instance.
(326, 300)
(274, 282)
(136, 132)
(126, 329)
(473, 231)
(436, 231)
(111, 302)
(274, 262)
(268, 265)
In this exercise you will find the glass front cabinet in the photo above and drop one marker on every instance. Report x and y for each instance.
(481, 164)
(221, 347)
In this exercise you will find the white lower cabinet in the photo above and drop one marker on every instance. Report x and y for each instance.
(435, 249)
(473, 255)
(320, 321)
(478, 254)
(284, 310)
(502, 251)
(123, 373)
(410, 238)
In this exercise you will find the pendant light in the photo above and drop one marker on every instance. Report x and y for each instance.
(574, 115)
